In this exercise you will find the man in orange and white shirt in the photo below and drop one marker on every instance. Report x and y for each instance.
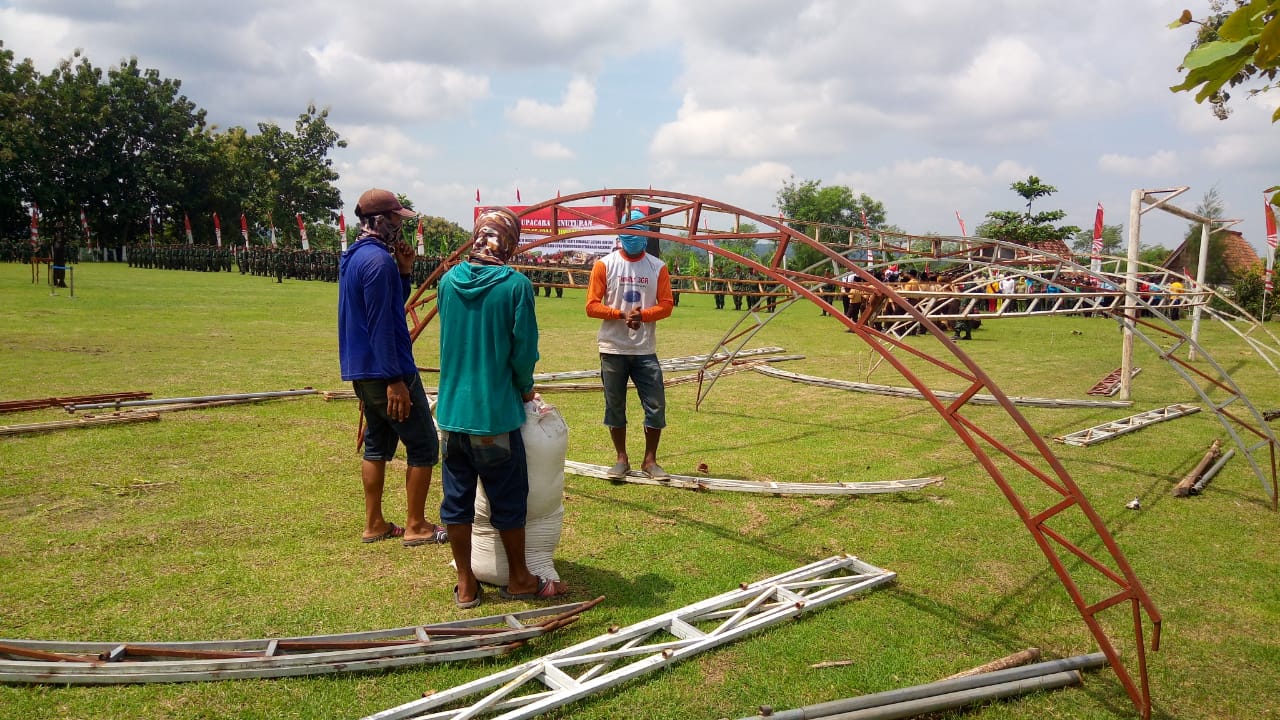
(630, 291)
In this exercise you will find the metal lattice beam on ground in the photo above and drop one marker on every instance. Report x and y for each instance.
(903, 392)
(1110, 384)
(112, 663)
(693, 482)
(648, 645)
(1115, 428)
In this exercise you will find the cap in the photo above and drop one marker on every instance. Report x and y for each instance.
(376, 201)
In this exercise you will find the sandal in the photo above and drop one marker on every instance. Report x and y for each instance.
(546, 589)
(468, 604)
(439, 536)
(393, 531)
(618, 471)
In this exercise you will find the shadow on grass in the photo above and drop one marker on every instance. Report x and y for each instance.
(649, 590)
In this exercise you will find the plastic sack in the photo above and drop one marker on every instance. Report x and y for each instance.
(546, 442)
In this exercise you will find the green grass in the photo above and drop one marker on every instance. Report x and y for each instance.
(248, 522)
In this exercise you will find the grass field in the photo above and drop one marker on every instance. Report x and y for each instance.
(244, 521)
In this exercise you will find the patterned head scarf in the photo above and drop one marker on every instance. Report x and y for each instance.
(496, 236)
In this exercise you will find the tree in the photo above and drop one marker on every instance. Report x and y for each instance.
(1023, 227)
(294, 171)
(1232, 48)
(1216, 271)
(1113, 242)
(808, 202)
(18, 93)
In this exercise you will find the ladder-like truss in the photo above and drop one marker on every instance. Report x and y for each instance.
(1123, 426)
(648, 645)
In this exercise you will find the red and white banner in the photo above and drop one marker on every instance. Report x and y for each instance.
(186, 223)
(35, 225)
(342, 230)
(1270, 216)
(1097, 231)
(963, 232)
(273, 236)
(302, 230)
(244, 230)
(217, 230)
(422, 250)
(570, 219)
(84, 225)
(151, 229)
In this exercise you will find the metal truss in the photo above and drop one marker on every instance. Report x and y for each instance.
(623, 654)
(112, 663)
(1123, 426)
(1019, 461)
(692, 482)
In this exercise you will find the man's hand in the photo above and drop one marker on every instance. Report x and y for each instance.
(633, 319)
(404, 256)
(398, 403)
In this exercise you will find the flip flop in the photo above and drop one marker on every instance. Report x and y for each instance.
(655, 472)
(439, 536)
(546, 589)
(467, 605)
(393, 531)
(618, 471)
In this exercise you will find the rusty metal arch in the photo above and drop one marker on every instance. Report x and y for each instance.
(1120, 304)
(1110, 580)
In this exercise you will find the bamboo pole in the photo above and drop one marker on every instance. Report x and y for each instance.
(1183, 488)
(1021, 657)
(112, 419)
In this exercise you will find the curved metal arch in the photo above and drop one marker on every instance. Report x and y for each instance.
(997, 455)
(1069, 301)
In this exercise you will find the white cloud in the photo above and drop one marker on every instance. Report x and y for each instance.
(551, 151)
(572, 115)
(1161, 163)
(764, 175)
(406, 90)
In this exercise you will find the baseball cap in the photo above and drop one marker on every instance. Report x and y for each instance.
(376, 201)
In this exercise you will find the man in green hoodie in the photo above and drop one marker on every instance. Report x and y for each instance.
(488, 349)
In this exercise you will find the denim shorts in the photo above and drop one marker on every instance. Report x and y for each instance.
(381, 433)
(498, 461)
(646, 373)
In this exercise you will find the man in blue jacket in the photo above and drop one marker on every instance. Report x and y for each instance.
(377, 357)
(488, 349)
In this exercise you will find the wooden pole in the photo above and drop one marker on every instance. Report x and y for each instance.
(1021, 657)
(1183, 488)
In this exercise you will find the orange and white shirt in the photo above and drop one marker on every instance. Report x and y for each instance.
(620, 284)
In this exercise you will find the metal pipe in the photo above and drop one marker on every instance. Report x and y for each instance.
(913, 708)
(915, 692)
(1200, 484)
(172, 401)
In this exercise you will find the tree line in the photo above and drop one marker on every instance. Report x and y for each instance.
(124, 146)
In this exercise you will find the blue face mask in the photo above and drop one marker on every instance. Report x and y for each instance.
(633, 245)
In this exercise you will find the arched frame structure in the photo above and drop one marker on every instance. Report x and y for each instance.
(1045, 497)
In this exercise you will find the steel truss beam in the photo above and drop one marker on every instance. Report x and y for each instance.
(691, 482)
(1124, 426)
(113, 663)
(702, 223)
(650, 644)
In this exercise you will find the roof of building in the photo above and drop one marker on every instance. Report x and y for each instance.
(1236, 251)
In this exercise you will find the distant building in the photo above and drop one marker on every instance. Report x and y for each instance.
(1236, 254)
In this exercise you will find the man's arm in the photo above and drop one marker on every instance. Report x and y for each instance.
(665, 300)
(596, 288)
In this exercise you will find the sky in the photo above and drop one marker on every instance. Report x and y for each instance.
(931, 107)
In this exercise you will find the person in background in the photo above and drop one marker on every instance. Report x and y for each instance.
(629, 292)
(376, 355)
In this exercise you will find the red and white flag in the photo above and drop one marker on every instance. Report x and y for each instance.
(1097, 231)
(870, 256)
(217, 229)
(302, 230)
(963, 232)
(422, 250)
(244, 230)
(517, 194)
(342, 231)
(151, 229)
(477, 196)
(186, 223)
(35, 225)
(84, 225)
(1270, 216)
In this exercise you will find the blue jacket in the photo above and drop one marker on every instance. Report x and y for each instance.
(488, 348)
(373, 335)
